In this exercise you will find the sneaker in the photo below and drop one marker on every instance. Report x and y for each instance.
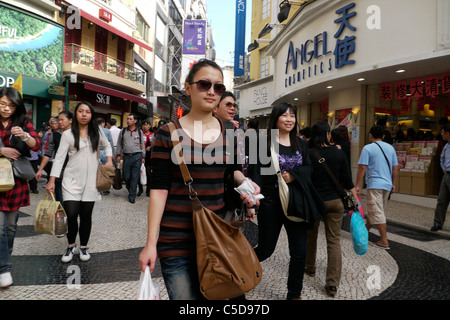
(84, 254)
(5, 280)
(67, 257)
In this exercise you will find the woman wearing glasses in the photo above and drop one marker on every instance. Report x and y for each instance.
(17, 139)
(226, 110)
(170, 209)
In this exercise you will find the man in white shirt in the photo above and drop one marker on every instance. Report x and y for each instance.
(114, 131)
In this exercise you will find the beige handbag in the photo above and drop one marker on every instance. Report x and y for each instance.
(6, 175)
(50, 218)
(105, 175)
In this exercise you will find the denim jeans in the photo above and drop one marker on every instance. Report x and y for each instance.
(181, 278)
(270, 220)
(8, 228)
(131, 173)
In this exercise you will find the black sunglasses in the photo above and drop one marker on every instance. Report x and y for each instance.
(205, 85)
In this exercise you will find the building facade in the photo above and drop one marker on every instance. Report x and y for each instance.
(352, 63)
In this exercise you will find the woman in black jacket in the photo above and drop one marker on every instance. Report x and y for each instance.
(337, 162)
(291, 153)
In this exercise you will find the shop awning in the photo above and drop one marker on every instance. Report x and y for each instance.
(110, 28)
(113, 92)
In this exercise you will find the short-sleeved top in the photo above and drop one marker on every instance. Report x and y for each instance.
(207, 164)
(378, 173)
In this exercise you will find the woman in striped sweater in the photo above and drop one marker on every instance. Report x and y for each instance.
(171, 235)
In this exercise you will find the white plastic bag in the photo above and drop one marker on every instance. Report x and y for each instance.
(148, 290)
(143, 175)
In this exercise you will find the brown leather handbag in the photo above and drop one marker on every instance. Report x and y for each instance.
(227, 264)
(105, 175)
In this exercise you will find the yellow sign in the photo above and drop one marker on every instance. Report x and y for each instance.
(18, 85)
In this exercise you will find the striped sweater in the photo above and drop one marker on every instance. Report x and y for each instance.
(207, 165)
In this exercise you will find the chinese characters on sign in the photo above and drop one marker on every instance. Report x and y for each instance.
(345, 46)
(422, 90)
(194, 37)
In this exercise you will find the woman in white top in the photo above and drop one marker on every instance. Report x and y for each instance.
(79, 183)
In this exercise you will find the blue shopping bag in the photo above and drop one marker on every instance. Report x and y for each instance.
(360, 235)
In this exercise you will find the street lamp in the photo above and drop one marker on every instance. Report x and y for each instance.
(268, 28)
(255, 44)
(285, 8)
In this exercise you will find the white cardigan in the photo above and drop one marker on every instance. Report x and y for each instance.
(80, 175)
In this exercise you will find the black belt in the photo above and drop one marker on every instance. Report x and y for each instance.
(131, 154)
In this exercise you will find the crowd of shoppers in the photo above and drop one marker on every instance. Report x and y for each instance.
(71, 147)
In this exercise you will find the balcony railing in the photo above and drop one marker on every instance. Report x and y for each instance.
(89, 58)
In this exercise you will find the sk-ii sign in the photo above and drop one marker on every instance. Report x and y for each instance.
(307, 59)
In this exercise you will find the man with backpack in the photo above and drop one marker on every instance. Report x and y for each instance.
(130, 147)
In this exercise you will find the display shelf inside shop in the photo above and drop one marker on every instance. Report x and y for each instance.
(419, 167)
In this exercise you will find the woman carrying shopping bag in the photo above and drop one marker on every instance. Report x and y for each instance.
(170, 210)
(79, 184)
(17, 138)
(321, 151)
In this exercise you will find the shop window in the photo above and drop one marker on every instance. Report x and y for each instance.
(142, 27)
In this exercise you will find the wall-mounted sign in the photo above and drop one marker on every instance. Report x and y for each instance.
(103, 98)
(105, 15)
(194, 37)
(30, 45)
(313, 57)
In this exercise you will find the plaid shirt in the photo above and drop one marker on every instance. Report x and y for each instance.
(18, 196)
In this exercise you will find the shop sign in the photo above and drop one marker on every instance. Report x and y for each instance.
(386, 91)
(103, 98)
(446, 83)
(38, 48)
(194, 37)
(105, 15)
(260, 97)
(432, 86)
(400, 90)
(309, 54)
(418, 88)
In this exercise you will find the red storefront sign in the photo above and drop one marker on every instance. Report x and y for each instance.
(432, 86)
(105, 15)
(386, 91)
(421, 104)
(416, 88)
(446, 83)
(400, 90)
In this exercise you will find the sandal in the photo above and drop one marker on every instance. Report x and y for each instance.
(376, 245)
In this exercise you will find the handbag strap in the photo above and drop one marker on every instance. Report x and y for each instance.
(188, 178)
(328, 170)
(179, 154)
(389, 165)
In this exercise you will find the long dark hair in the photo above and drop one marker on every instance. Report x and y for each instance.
(319, 136)
(19, 117)
(278, 110)
(93, 128)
